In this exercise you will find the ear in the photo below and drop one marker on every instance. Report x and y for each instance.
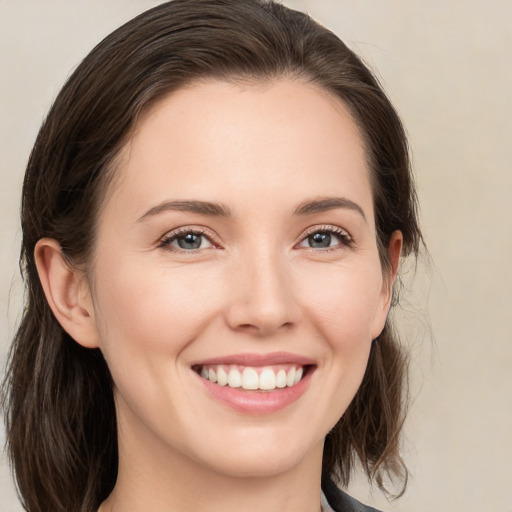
(67, 292)
(394, 250)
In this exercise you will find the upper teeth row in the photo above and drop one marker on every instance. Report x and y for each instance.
(249, 378)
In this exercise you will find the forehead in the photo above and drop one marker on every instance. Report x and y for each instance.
(221, 138)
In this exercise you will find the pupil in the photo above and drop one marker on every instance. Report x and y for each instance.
(190, 241)
(320, 240)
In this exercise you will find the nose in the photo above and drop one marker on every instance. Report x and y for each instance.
(262, 300)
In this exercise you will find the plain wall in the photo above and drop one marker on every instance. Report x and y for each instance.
(447, 68)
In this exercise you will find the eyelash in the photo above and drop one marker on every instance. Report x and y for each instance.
(342, 235)
(167, 240)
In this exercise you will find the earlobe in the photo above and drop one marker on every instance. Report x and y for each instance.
(67, 292)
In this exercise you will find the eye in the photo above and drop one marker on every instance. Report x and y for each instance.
(187, 240)
(325, 238)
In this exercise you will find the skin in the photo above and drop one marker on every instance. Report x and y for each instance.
(254, 286)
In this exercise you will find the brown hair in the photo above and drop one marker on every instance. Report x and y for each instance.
(58, 399)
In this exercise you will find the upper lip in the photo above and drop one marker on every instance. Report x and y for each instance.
(248, 359)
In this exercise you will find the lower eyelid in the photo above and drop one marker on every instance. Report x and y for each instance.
(344, 237)
(166, 241)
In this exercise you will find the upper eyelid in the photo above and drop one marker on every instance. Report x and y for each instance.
(214, 239)
(200, 230)
(346, 240)
(326, 227)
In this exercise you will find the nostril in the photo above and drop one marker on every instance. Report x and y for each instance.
(264, 328)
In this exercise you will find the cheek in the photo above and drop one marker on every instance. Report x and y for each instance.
(344, 306)
(344, 303)
(148, 316)
(150, 311)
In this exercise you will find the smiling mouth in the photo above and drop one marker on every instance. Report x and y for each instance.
(253, 378)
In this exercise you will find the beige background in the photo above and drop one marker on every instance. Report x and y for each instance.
(447, 67)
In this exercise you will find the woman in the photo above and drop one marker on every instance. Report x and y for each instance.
(213, 217)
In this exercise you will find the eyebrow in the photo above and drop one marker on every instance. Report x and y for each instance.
(199, 207)
(324, 204)
(219, 210)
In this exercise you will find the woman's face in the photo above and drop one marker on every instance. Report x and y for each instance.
(238, 244)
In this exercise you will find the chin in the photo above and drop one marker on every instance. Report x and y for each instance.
(270, 457)
(259, 465)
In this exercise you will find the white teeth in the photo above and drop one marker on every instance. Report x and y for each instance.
(222, 377)
(249, 379)
(290, 378)
(234, 379)
(267, 379)
(281, 379)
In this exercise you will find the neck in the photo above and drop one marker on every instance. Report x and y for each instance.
(162, 480)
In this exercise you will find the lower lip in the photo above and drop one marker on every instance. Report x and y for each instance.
(257, 402)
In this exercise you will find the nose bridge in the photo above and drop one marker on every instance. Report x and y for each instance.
(262, 297)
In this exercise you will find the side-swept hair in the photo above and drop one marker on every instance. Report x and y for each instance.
(58, 398)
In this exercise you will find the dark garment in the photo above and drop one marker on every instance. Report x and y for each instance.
(340, 501)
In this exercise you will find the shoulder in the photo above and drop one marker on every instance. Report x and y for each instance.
(340, 501)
